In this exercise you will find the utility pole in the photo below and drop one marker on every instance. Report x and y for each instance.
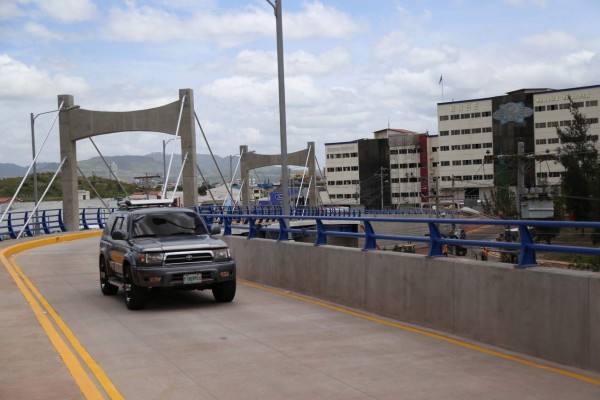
(146, 178)
(381, 173)
(520, 175)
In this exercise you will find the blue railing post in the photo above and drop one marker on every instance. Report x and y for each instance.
(370, 241)
(227, 222)
(435, 247)
(283, 230)
(84, 220)
(527, 254)
(321, 236)
(252, 228)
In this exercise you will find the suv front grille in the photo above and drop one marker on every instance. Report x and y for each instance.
(188, 257)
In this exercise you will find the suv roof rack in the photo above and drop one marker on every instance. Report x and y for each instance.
(133, 204)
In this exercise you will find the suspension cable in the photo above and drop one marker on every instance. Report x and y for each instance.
(42, 198)
(207, 186)
(179, 177)
(92, 186)
(303, 174)
(232, 178)
(109, 168)
(212, 155)
(32, 163)
(164, 192)
(326, 185)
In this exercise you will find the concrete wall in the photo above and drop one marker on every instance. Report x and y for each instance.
(543, 312)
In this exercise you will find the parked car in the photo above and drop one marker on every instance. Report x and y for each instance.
(148, 244)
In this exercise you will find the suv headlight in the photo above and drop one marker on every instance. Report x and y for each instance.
(221, 254)
(150, 258)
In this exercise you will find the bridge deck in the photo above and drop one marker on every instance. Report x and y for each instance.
(267, 344)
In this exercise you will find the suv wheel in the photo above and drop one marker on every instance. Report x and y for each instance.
(135, 296)
(108, 289)
(224, 292)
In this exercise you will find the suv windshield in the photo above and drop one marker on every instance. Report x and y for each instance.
(167, 224)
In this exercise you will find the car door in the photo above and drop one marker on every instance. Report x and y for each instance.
(118, 248)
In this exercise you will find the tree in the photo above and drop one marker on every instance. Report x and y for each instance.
(579, 157)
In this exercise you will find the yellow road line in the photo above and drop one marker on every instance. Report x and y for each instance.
(447, 339)
(36, 299)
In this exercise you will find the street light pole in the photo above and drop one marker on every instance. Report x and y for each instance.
(165, 178)
(282, 117)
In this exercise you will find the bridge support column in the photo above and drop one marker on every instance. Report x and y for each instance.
(68, 148)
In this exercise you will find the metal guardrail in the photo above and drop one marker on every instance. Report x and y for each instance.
(526, 246)
(266, 218)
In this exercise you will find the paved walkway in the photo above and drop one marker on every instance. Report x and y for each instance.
(267, 344)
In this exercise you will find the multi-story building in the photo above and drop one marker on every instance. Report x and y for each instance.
(471, 129)
(472, 153)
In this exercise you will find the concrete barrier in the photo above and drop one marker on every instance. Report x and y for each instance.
(543, 312)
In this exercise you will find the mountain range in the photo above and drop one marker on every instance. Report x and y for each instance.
(151, 164)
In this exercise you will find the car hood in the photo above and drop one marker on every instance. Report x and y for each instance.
(171, 243)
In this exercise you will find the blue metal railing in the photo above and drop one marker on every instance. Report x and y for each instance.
(254, 220)
(526, 246)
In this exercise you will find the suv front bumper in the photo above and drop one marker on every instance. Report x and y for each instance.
(172, 276)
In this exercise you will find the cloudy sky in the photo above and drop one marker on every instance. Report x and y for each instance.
(351, 65)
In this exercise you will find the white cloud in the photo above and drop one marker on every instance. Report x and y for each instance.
(550, 40)
(68, 10)
(264, 63)
(41, 32)
(394, 45)
(8, 10)
(229, 28)
(20, 81)
(581, 57)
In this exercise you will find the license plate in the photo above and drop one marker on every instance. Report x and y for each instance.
(192, 278)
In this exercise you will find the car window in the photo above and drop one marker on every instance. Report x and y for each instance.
(119, 225)
(168, 224)
(109, 224)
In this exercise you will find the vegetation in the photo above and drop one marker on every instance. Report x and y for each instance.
(105, 187)
(579, 156)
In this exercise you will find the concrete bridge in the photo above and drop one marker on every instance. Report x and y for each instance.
(308, 322)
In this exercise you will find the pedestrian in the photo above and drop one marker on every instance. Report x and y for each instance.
(445, 250)
(484, 254)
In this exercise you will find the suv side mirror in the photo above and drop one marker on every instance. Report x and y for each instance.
(119, 235)
(215, 229)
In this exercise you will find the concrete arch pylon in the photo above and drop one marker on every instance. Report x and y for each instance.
(251, 160)
(77, 124)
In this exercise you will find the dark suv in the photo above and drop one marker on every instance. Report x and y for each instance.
(148, 245)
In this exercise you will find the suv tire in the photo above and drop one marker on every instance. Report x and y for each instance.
(107, 288)
(224, 292)
(135, 296)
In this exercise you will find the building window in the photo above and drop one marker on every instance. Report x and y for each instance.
(465, 131)
(467, 162)
(453, 117)
(444, 148)
(434, 164)
(393, 151)
(486, 114)
(540, 124)
(476, 130)
(354, 154)
(355, 168)
(330, 169)
(443, 118)
(487, 145)
(445, 163)
(476, 145)
(540, 108)
(565, 123)
(591, 103)
(466, 147)
(456, 147)
(455, 132)
(477, 177)
(394, 166)
(475, 115)
(465, 116)
(456, 162)
(444, 133)
(540, 141)
(552, 140)
(467, 178)
(555, 174)
(552, 107)
(490, 176)
(488, 129)
(592, 120)
(478, 161)
(434, 149)
(563, 106)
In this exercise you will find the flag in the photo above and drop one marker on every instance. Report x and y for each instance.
(440, 82)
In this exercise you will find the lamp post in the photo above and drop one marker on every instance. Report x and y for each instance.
(282, 119)
(165, 178)
(32, 118)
